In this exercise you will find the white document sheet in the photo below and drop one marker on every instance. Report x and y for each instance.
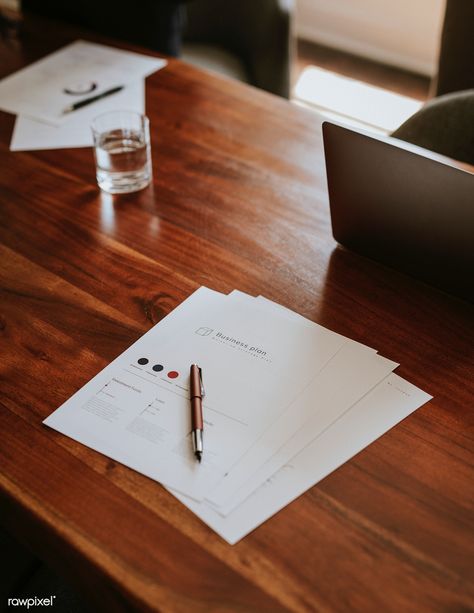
(41, 90)
(388, 403)
(31, 134)
(350, 374)
(254, 364)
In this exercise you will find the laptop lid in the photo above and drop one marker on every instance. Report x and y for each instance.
(397, 204)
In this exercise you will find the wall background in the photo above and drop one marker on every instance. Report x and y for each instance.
(402, 33)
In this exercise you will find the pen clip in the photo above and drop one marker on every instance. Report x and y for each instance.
(203, 391)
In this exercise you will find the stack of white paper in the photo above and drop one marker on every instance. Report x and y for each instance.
(39, 93)
(287, 401)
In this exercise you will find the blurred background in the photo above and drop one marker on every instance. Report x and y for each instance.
(369, 62)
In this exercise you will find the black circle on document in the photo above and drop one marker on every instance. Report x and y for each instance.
(81, 88)
(143, 361)
(158, 367)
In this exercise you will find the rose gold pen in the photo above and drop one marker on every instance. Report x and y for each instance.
(196, 395)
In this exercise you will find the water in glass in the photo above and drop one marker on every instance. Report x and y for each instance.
(123, 161)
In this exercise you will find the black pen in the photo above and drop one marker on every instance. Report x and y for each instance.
(196, 395)
(81, 103)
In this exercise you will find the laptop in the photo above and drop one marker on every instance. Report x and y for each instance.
(403, 206)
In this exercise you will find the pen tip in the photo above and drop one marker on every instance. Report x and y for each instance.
(199, 456)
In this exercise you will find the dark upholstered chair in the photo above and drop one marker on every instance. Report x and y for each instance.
(446, 123)
(257, 34)
(456, 56)
(156, 24)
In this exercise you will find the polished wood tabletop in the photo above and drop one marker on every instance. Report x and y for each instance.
(238, 200)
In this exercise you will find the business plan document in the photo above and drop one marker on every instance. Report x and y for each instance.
(31, 134)
(137, 409)
(388, 403)
(287, 401)
(350, 373)
(80, 70)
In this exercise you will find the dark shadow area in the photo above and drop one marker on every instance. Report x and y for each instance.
(25, 576)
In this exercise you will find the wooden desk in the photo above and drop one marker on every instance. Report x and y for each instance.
(239, 201)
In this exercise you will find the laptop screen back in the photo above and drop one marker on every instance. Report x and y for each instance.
(400, 208)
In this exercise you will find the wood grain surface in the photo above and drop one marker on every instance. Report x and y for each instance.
(238, 201)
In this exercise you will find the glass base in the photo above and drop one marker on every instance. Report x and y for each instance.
(123, 182)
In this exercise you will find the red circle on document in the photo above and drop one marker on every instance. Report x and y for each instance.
(173, 374)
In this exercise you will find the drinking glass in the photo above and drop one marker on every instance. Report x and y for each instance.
(122, 151)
